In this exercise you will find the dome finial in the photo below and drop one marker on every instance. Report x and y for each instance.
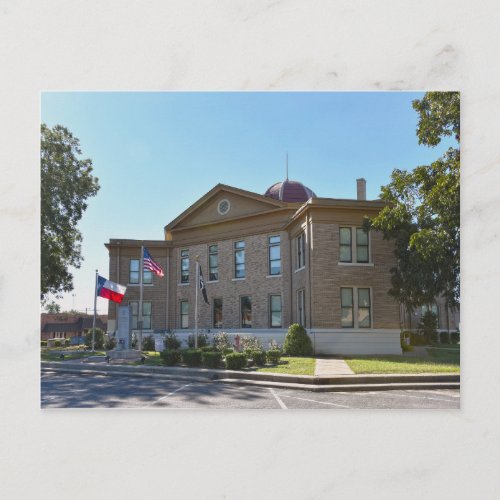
(287, 166)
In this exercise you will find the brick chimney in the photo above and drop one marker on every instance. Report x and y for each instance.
(361, 188)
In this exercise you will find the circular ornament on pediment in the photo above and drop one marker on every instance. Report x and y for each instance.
(223, 207)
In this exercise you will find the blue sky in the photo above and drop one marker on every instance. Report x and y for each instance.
(157, 153)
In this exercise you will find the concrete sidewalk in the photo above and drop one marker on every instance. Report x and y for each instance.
(330, 367)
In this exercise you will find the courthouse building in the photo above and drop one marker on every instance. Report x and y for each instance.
(268, 260)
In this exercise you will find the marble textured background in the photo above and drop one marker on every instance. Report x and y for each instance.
(237, 45)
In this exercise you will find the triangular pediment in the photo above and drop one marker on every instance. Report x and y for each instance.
(224, 203)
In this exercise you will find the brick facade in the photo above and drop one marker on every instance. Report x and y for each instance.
(253, 221)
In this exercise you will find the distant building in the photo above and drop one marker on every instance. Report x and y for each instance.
(268, 261)
(69, 326)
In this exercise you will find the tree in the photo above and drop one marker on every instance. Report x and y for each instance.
(66, 183)
(423, 211)
(53, 308)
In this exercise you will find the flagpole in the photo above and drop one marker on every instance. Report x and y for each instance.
(95, 308)
(196, 305)
(141, 271)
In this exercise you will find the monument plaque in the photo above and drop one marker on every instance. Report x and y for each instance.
(124, 327)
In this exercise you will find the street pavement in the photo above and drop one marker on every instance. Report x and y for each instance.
(63, 390)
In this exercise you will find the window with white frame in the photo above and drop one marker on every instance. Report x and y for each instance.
(146, 315)
(354, 245)
(274, 255)
(184, 266)
(246, 311)
(134, 277)
(356, 309)
(275, 311)
(184, 313)
(301, 310)
(301, 251)
(239, 259)
(213, 263)
(217, 313)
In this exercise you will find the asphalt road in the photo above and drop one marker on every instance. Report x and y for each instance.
(63, 390)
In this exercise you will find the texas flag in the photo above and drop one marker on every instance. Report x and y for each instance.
(110, 290)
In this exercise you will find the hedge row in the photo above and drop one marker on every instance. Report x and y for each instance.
(209, 358)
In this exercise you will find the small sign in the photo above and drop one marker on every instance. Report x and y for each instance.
(159, 342)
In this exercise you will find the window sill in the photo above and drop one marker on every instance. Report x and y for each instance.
(274, 276)
(357, 264)
(238, 279)
(214, 281)
(182, 284)
(299, 269)
(138, 284)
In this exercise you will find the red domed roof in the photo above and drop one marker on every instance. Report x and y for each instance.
(290, 191)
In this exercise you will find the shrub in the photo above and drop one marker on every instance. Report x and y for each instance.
(259, 357)
(297, 342)
(221, 341)
(57, 343)
(248, 343)
(428, 327)
(172, 342)
(202, 340)
(211, 359)
(208, 348)
(236, 361)
(406, 347)
(192, 357)
(405, 338)
(455, 337)
(66, 342)
(99, 338)
(227, 350)
(148, 343)
(43, 343)
(110, 344)
(273, 356)
(444, 338)
(170, 357)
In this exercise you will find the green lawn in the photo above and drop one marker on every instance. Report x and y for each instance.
(439, 361)
(292, 366)
(152, 358)
(48, 355)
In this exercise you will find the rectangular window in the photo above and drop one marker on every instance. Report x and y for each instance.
(301, 251)
(184, 313)
(356, 250)
(345, 244)
(217, 313)
(147, 276)
(301, 312)
(274, 255)
(213, 263)
(347, 308)
(239, 259)
(364, 306)
(146, 315)
(246, 312)
(275, 311)
(184, 266)
(356, 307)
(362, 253)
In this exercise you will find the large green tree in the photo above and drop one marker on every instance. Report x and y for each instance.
(423, 211)
(66, 183)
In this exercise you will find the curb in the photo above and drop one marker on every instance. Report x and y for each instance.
(303, 382)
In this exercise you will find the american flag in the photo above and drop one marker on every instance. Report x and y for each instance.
(150, 264)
